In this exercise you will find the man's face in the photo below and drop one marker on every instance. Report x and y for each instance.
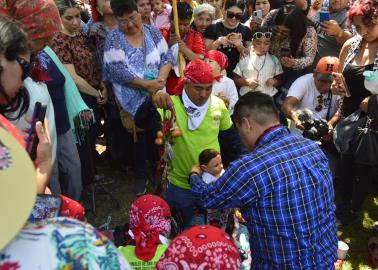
(184, 26)
(337, 5)
(198, 93)
(323, 86)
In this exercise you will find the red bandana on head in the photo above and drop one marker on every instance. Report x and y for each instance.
(201, 247)
(149, 216)
(218, 57)
(196, 72)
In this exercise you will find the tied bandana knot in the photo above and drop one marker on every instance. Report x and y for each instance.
(196, 114)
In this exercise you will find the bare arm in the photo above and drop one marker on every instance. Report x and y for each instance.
(81, 83)
(289, 109)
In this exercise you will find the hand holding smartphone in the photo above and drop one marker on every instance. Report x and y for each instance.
(285, 52)
(257, 14)
(32, 140)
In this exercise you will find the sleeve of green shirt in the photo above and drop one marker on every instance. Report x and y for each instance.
(225, 121)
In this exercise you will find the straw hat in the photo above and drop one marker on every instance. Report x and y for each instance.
(17, 185)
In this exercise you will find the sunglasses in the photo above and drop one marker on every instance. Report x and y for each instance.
(231, 15)
(259, 35)
(321, 101)
(25, 66)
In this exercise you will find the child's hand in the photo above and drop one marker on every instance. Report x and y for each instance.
(270, 82)
(252, 83)
(196, 169)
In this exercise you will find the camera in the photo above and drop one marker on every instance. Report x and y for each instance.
(314, 129)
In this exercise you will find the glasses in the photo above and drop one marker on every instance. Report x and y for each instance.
(259, 35)
(322, 102)
(231, 15)
(25, 66)
(125, 22)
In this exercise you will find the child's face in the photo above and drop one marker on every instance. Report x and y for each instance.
(214, 66)
(157, 6)
(215, 166)
(216, 3)
(261, 45)
(184, 26)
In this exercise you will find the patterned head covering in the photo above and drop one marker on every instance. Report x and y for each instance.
(218, 57)
(198, 72)
(149, 217)
(38, 18)
(201, 247)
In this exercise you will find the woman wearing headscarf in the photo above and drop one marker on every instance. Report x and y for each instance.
(149, 225)
(203, 16)
(201, 247)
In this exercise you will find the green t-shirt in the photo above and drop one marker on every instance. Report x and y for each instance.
(129, 253)
(187, 147)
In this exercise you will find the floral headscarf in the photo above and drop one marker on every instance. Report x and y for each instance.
(38, 18)
(201, 247)
(149, 217)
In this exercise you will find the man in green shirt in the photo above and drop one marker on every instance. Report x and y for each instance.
(200, 117)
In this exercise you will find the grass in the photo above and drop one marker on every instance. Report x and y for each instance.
(355, 235)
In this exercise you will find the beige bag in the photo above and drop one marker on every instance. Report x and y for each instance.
(129, 124)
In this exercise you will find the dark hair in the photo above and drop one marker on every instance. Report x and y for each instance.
(262, 29)
(368, 9)
(292, 18)
(207, 155)
(260, 107)
(13, 42)
(63, 5)
(121, 7)
(234, 3)
(184, 11)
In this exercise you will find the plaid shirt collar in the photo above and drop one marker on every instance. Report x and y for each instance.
(269, 134)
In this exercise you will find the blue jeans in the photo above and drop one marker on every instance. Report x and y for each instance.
(183, 200)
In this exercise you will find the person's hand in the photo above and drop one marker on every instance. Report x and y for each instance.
(364, 104)
(103, 97)
(252, 83)
(255, 23)
(162, 100)
(182, 46)
(196, 169)
(222, 96)
(154, 85)
(299, 125)
(270, 82)
(317, 4)
(288, 61)
(331, 28)
(329, 135)
(43, 162)
(173, 39)
(222, 41)
(337, 86)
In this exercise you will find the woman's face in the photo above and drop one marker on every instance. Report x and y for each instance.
(203, 21)
(217, 4)
(232, 16)
(144, 8)
(72, 20)
(369, 33)
(12, 76)
(130, 23)
(282, 32)
(263, 5)
(103, 7)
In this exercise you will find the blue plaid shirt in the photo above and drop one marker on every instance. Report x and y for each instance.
(285, 192)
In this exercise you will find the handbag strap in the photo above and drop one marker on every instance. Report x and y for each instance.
(329, 98)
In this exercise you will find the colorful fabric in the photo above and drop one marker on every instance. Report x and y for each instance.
(129, 253)
(205, 136)
(218, 57)
(198, 72)
(38, 18)
(149, 217)
(46, 206)
(76, 107)
(76, 50)
(13, 130)
(61, 243)
(97, 36)
(285, 192)
(162, 20)
(72, 209)
(123, 63)
(201, 247)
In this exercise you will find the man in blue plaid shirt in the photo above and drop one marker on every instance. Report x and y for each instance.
(283, 188)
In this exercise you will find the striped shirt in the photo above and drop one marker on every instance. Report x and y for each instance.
(285, 192)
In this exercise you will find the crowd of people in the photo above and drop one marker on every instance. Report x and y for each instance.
(243, 117)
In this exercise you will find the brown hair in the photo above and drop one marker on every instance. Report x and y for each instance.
(207, 155)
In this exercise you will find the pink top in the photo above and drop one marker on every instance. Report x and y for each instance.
(163, 19)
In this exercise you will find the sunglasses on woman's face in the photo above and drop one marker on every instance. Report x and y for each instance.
(25, 66)
(259, 35)
(231, 15)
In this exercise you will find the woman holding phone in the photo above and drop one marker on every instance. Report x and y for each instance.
(359, 55)
(257, 9)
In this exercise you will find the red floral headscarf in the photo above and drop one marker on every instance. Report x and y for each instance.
(149, 217)
(202, 248)
(218, 57)
(13, 130)
(38, 18)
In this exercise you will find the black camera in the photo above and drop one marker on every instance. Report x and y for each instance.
(314, 129)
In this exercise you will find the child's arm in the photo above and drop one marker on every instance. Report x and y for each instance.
(240, 81)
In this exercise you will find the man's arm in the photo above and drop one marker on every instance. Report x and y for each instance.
(289, 109)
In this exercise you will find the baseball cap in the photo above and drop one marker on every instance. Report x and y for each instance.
(325, 67)
(17, 184)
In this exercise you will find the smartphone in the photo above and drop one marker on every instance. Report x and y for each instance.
(257, 14)
(324, 16)
(32, 140)
(285, 52)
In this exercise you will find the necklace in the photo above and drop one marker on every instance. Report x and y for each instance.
(262, 66)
